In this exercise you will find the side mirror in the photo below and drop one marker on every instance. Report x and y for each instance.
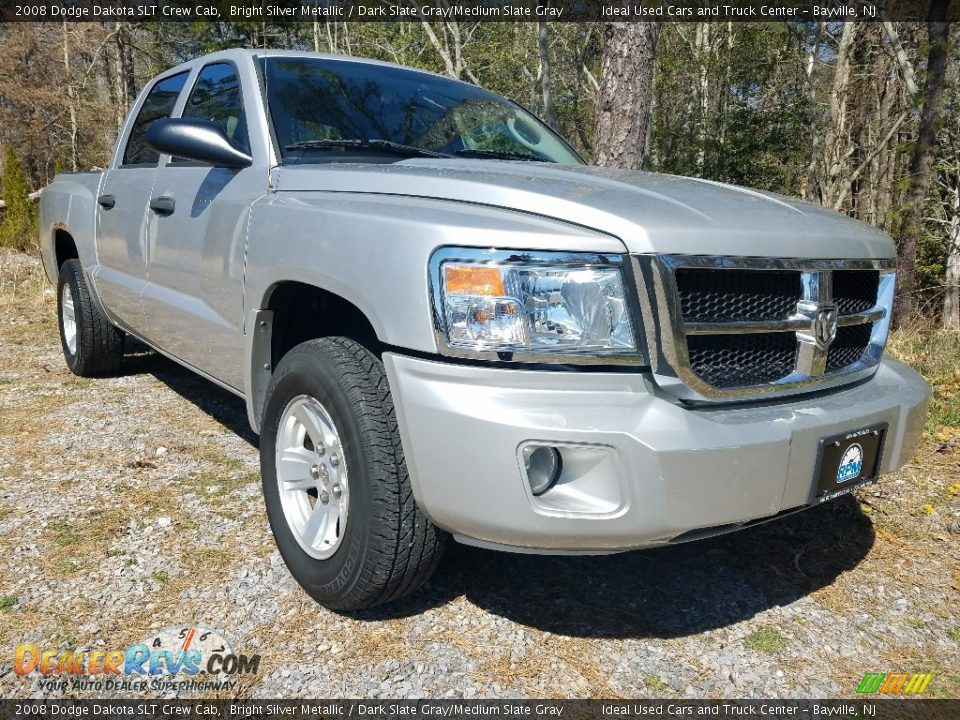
(199, 140)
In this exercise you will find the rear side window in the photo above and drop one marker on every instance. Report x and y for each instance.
(216, 97)
(159, 104)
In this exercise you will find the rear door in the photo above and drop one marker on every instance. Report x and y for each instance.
(121, 221)
(196, 239)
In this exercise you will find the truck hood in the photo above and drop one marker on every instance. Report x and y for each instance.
(648, 212)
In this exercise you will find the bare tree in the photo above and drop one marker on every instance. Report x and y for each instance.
(450, 45)
(626, 88)
(921, 160)
(951, 278)
(546, 74)
(837, 149)
(703, 48)
(71, 99)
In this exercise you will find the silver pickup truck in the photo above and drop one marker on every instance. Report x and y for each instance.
(443, 322)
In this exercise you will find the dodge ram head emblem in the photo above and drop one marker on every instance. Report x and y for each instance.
(822, 327)
(825, 327)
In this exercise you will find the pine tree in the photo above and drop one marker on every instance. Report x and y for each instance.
(18, 222)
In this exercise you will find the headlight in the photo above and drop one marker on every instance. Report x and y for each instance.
(546, 303)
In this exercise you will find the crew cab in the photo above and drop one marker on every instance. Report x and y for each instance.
(444, 323)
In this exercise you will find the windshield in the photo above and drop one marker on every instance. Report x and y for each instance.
(333, 110)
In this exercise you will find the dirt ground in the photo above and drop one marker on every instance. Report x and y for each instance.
(132, 503)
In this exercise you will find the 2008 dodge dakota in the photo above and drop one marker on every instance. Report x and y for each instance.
(443, 321)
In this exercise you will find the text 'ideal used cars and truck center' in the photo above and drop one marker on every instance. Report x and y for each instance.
(444, 323)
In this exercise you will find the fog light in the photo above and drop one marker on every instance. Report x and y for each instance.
(543, 465)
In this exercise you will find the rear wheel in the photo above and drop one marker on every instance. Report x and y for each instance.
(336, 486)
(91, 345)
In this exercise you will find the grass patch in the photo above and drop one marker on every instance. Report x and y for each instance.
(230, 476)
(161, 576)
(64, 640)
(80, 543)
(653, 683)
(954, 633)
(8, 602)
(209, 557)
(945, 684)
(64, 533)
(766, 639)
(935, 354)
(77, 382)
(71, 566)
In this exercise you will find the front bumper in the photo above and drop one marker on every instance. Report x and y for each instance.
(639, 469)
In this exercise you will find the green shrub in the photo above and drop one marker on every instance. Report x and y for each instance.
(18, 220)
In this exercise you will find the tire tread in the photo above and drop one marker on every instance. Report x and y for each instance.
(99, 342)
(404, 547)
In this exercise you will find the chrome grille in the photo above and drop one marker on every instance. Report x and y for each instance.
(849, 346)
(721, 327)
(855, 291)
(719, 296)
(736, 360)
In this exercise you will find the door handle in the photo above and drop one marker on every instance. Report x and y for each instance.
(163, 205)
(106, 201)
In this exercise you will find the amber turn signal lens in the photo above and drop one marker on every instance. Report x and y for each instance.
(481, 280)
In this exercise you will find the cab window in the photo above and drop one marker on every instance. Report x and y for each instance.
(216, 97)
(159, 104)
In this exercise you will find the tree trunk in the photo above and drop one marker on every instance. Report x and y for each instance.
(71, 100)
(837, 148)
(116, 76)
(703, 48)
(546, 77)
(951, 298)
(125, 65)
(626, 87)
(809, 189)
(921, 161)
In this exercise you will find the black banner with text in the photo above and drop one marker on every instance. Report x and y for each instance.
(462, 10)
(865, 709)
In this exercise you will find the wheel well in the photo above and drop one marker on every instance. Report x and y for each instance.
(64, 247)
(303, 312)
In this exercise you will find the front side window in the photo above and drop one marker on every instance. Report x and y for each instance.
(216, 97)
(158, 104)
(325, 110)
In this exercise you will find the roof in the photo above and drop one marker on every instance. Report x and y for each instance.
(239, 55)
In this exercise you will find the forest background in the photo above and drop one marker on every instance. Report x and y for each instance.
(860, 117)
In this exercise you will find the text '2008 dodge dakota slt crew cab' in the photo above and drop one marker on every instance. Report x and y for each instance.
(443, 322)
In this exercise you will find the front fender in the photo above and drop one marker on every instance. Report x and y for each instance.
(372, 250)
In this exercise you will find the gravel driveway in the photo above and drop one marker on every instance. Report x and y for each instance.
(133, 503)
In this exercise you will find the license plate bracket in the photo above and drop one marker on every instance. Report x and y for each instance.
(848, 461)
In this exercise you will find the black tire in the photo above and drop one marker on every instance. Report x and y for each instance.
(388, 548)
(99, 345)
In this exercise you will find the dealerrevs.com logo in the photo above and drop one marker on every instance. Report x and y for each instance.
(184, 658)
(894, 683)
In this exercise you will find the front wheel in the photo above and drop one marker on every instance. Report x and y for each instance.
(336, 486)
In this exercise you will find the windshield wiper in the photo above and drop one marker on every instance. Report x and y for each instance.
(382, 145)
(499, 155)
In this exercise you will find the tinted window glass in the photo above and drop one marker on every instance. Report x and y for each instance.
(216, 97)
(159, 104)
(325, 109)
